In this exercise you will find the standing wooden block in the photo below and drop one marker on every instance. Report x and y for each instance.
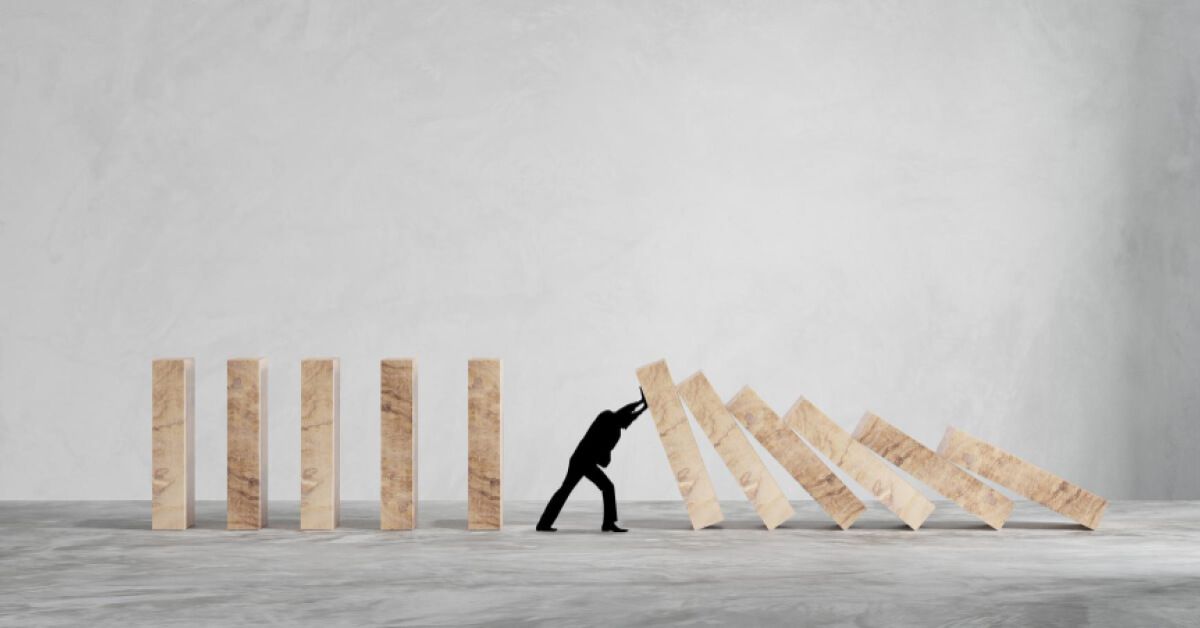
(868, 470)
(320, 464)
(922, 463)
(485, 510)
(173, 503)
(398, 444)
(682, 452)
(760, 488)
(834, 497)
(246, 444)
(1022, 477)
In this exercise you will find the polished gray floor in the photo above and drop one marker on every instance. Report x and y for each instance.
(97, 563)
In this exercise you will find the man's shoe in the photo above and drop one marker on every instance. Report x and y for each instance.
(542, 528)
(611, 527)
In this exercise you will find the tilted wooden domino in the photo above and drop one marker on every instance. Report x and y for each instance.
(682, 452)
(398, 444)
(760, 488)
(246, 444)
(1022, 477)
(320, 462)
(859, 462)
(484, 445)
(922, 463)
(173, 497)
(830, 493)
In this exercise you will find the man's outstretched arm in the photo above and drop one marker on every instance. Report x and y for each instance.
(636, 408)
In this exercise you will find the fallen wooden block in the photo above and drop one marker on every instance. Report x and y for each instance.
(173, 493)
(320, 463)
(682, 452)
(246, 444)
(868, 470)
(398, 444)
(830, 493)
(922, 463)
(484, 445)
(1022, 477)
(760, 488)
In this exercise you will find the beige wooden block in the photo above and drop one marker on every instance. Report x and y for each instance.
(320, 463)
(485, 445)
(830, 493)
(398, 444)
(682, 452)
(922, 463)
(860, 463)
(246, 444)
(760, 488)
(1022, 477)
(173, 502)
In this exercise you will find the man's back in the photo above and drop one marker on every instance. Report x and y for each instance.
(597, 444)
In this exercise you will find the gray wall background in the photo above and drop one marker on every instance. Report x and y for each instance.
(975, 213)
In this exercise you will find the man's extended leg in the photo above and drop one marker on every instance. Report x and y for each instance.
(559, 499)
(610, 497)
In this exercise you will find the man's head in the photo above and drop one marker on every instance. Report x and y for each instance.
(625, 419)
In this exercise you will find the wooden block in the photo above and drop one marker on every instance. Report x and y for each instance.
(246, 444)
(760, 488)
(682, 452)
(320, 464)
(485, 510)
(834, 497)
(1022, 477)
(859, 462)
(922, 463)
(173, 503)
(398, 444)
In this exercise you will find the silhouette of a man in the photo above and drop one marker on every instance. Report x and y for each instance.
(593, 452)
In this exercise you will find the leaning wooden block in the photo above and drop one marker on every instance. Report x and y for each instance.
(484, 445)
(922, 463)
(868, 470)
(320, 463)
(1022, 477)
(682, 452)
(398, 444)
(173, 502)
(833, 496)
(760, 488)
(246, 444)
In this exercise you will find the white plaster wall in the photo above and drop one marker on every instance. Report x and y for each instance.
(978, 213)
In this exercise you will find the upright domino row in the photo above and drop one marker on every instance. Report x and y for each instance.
(173, 502)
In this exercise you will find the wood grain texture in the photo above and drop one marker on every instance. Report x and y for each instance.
(320, 463)
(398, 444)
(1022, 477)
(923, 464)
(173, 485)
(485, 445)
(246, 444)
(902, 498)
(830, 493)
(682, 452)
(722, 430)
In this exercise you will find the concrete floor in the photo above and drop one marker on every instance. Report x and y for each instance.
(97, 563)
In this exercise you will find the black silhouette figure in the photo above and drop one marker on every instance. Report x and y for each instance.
(593, 452)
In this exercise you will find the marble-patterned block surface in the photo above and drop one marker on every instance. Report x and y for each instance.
(662, 398)
(860, 463)
(485, 444)
(735, 450)
(397, 444)
(1023, 478)
(825, 487)
(320, 464)
(246, 443)
(173, 440)
(926, 466)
